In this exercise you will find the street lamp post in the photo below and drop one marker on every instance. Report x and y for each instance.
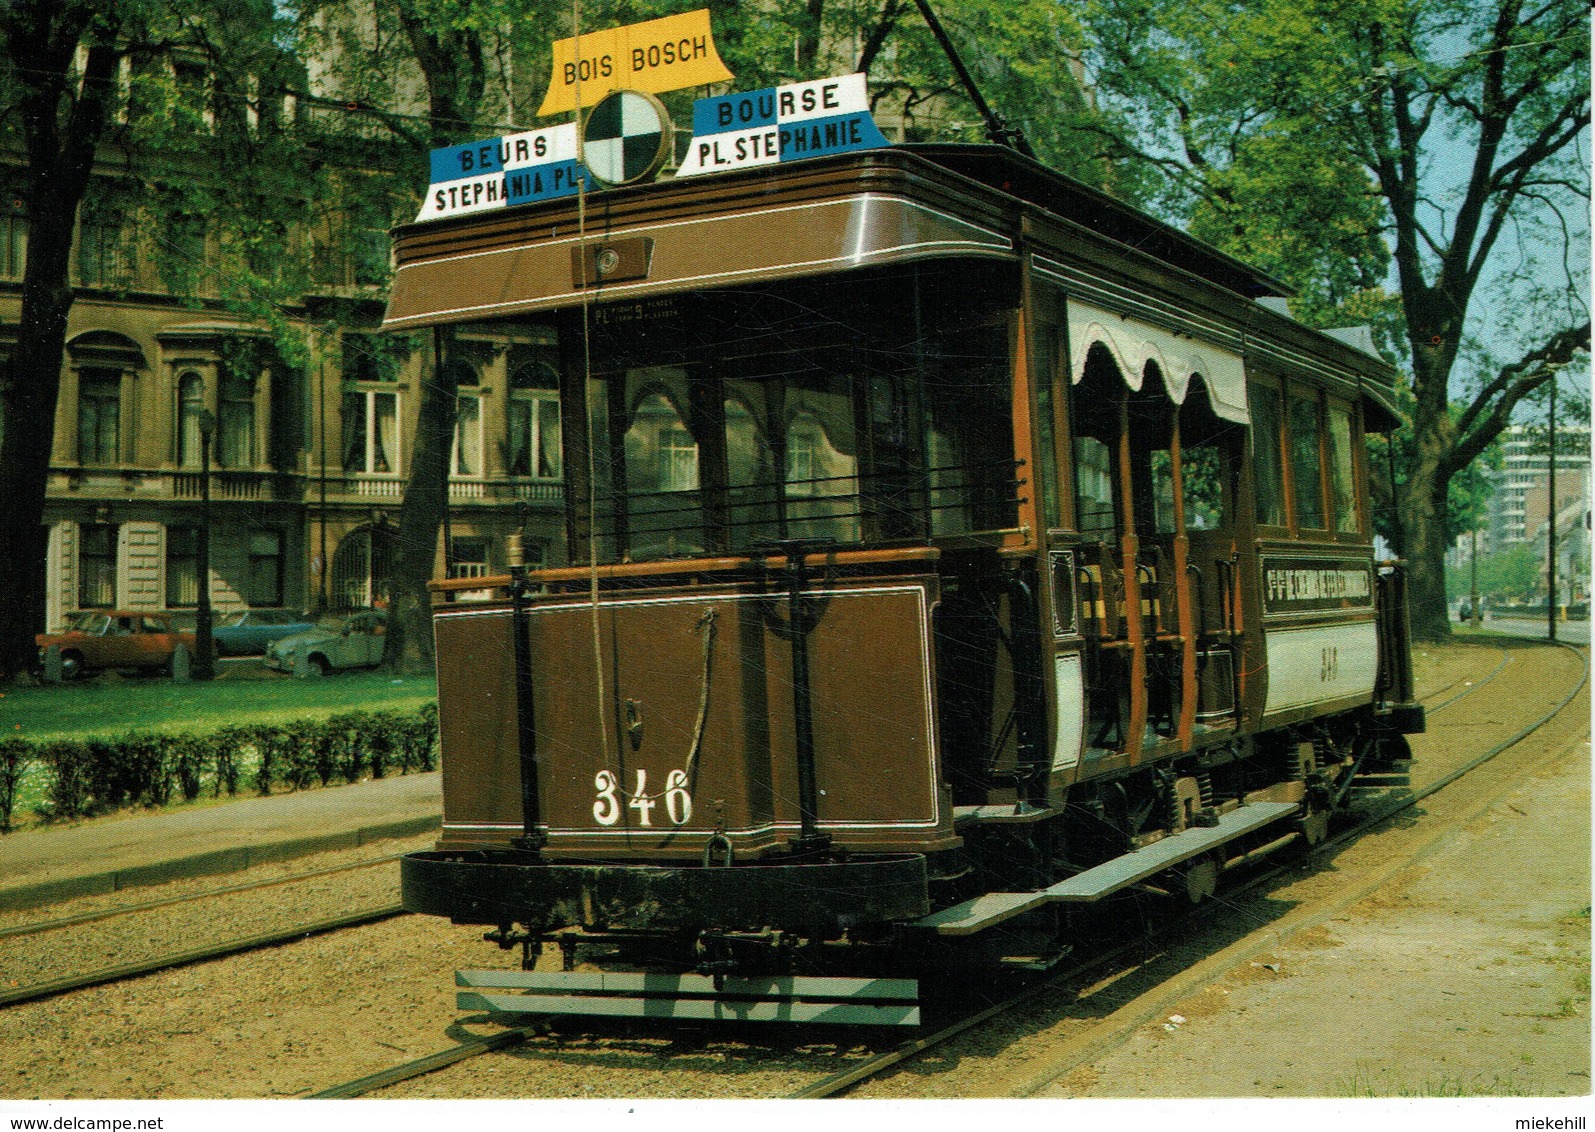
(1550, 527)
(1475, 614)
(205, 645)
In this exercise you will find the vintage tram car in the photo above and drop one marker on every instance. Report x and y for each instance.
(947, 545)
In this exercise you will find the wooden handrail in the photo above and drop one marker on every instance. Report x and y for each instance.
(688, 566)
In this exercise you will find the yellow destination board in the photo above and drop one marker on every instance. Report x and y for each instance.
(655, 56)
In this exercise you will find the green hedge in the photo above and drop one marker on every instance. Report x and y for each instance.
(84, 777)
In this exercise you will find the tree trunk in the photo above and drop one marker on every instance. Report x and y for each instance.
(456, 76)
(61, 135)
(426, 498)
(1423, 510)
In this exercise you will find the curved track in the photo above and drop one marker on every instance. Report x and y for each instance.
(839, 1083)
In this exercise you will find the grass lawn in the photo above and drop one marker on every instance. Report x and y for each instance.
(244, 694)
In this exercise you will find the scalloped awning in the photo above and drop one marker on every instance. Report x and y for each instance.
(1134, 345)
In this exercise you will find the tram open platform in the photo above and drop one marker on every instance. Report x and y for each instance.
(52, 863)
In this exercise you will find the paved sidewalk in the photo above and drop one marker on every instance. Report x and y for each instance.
(42, 866)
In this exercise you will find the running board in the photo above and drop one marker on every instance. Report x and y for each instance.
(867, 1002)
(994, 907)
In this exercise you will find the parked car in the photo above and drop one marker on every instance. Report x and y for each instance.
(105, 639)
(249, 631)
(349, 642)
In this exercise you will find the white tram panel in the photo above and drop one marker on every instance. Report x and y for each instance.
(1321, 664)
(1322, 641)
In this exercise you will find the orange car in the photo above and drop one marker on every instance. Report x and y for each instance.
(100, 639)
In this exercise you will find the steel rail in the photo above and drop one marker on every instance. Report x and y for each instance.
(423, 1065)
(1506, 658)
(168, 901)
(199, 955)
(837, 1083)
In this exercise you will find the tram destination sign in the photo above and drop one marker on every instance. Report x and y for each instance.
(514, 169)
(653, 56)
(783, 123)
(1299, 584)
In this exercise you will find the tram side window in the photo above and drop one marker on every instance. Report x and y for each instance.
(970, 438)
(1093, 469)
(1205, 472)
(661, 468)
(1306, 463)
(751, 478)
(1267, 455)
(1202, 474)
(822, 489)
(1342, 488)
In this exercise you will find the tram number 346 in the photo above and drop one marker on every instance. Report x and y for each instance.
(1329, 671)
(607, 807)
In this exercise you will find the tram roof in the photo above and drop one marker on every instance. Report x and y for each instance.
(1012, 173)
(829, 214)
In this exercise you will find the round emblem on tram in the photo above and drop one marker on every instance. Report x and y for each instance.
(626, 138)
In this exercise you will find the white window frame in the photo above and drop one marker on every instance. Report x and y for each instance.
(371, 437)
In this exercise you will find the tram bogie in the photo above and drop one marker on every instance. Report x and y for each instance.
(965, 549)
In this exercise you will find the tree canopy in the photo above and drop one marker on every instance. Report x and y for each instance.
(1397, 160)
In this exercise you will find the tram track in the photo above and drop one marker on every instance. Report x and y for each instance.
(190, 904)
(111, 974)
(1085, 1047)
(840, 1083)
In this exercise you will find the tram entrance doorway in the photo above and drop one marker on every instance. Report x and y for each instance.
(1155, 491)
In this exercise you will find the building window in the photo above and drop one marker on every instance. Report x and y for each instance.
(235, 424)
(99, 415)
(468, 435)
(182, 567)
(369, 246)
(364, 359)
(371, 432)
(97, 565)
(190, 404)
(534, 423)
(193, 92)
(13, 241)
(102, 255)
(678, 460)
(185, 244)
(468, 557)
(265, 568)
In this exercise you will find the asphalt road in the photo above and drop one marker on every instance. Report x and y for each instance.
(1568, 632)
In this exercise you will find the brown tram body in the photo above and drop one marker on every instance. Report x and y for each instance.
(956, 533)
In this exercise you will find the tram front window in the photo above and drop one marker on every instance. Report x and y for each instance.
(851, 410)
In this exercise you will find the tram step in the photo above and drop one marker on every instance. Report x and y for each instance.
(1006, 813)
(993, 908)
(872, 1002)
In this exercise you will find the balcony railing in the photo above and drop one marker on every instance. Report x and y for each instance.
(226, 485)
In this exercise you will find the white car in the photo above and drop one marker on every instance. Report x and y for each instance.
(350, 642)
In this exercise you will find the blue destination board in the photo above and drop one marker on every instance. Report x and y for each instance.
(498, 172)
(784, 123)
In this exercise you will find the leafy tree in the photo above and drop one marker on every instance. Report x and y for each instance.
(91, 97)
(64, 111)
(1442, 127)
